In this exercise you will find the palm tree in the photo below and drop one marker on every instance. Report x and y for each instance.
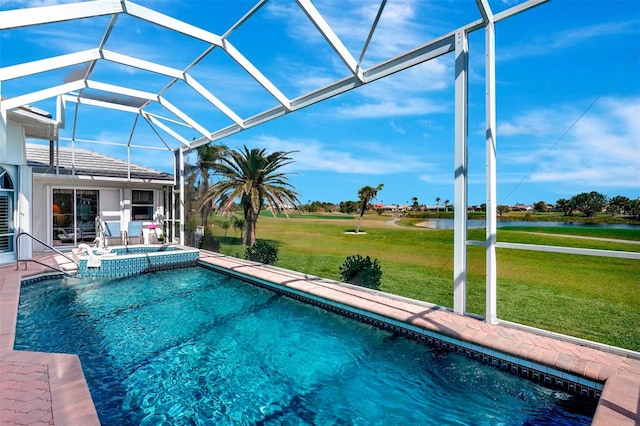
(365, 195)
(252, 176)
(414, 205)
(437, 204)
(446, 205)
(208, 155)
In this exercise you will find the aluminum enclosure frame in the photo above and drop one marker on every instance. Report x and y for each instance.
(455, 42)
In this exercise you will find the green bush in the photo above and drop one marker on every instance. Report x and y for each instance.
(262, 252)
(361, 271)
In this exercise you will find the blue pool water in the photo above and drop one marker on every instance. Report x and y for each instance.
(194, 347)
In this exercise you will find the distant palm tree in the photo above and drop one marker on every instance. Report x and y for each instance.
(414, 205)
(446, 205)
(252, 176)
(365, 195)
(238, 225)
(225, 225)
(437, 204)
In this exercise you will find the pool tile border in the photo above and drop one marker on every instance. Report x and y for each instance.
(132, 260)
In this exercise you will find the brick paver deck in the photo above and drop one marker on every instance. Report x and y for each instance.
(50, 389)
(38, 388)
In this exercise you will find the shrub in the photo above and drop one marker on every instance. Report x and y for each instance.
(262, 252)
(361, 271)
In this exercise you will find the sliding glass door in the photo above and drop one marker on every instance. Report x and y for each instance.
(74, 215)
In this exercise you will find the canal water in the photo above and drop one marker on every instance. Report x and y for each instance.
(474, 223)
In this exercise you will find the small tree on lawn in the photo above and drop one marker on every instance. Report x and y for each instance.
(366, 194)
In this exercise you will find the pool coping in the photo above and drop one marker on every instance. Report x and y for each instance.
(70, 401)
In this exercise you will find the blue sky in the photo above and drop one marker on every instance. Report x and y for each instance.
(568, 94)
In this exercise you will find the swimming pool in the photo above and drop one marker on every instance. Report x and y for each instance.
(192, 346)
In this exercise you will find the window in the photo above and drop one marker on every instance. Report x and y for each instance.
(7, 194)
(141, 205)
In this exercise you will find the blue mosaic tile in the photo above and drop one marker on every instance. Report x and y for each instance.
(140, 259)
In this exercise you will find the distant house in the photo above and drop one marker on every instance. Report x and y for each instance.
(519, 207)
(387, 207)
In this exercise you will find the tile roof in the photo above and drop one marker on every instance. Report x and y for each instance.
(89, 163)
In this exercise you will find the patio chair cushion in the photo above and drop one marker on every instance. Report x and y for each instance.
(112, 229)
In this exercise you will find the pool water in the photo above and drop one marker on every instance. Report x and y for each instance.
(195, 347)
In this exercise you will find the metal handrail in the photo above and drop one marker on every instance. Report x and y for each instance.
(18, 260)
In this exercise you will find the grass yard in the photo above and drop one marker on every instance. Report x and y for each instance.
(594, 298)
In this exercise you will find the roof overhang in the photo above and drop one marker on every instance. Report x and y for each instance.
(37, 124)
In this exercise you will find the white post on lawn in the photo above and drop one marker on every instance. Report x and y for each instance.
(460, 174)
(491, 316)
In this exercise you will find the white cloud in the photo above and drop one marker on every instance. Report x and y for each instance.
(369, 158)
(391, 108)
(546, 43)
(439, 177)
(399, 28)
(536, 123)
(396, 128)
(415, 91)
(601, 150)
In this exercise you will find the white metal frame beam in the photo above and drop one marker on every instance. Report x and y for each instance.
(170, 23)
(76, 99)
(39, 95)
(461, 173)
(48, 64)
(331, 37)
(491, 314)
(119, 58)
(63, 12)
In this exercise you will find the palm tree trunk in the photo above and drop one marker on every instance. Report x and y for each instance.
(364, 208)
(250, 218)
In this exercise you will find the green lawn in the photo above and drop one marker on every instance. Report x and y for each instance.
(594, 298)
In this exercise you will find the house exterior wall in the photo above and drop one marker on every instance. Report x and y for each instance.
(32, 203)
(12, 171)
(114, 201)
(12, 157)
(12, 151)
